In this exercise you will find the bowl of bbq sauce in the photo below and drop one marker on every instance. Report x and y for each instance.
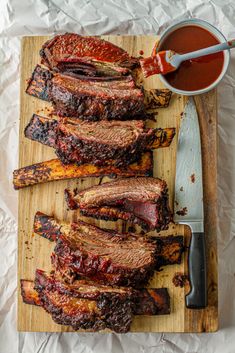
(199, 75)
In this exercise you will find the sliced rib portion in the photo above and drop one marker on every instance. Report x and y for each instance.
(112, 310)
(91, 142)
(47, 130)
(95, 100)
(106, 256)
(88, 98)
(87, 55)
(146, 301)
(54, 170)
(40, 83)
(98, 143)
(167, 249)
(142, 201)
(88, 305)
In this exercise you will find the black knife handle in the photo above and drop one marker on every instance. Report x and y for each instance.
(197, 297)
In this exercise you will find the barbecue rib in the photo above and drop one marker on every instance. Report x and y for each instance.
(142, 201)
(167, 250)
(96, 100)
(106, 307)
(91, 56)
(146, 301)
(92, 142)
(55, 170)
(111, 310)
(98, 143)
(101, 255)
(40, 84)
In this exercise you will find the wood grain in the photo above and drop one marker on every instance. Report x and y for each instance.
(34, 251)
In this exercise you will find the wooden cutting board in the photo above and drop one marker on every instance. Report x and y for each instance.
(34, 251)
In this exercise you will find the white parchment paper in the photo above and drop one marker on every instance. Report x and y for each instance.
(35, 17)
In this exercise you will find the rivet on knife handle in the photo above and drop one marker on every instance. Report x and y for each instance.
(197, 297)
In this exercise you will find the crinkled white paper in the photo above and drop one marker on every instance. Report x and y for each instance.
(30, 17)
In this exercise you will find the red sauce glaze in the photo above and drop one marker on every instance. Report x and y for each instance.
(197, 73)
(164, 66)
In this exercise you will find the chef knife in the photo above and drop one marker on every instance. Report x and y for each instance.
(189, 202)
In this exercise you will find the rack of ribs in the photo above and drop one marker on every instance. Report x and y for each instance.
(142, 201)
(89, 305)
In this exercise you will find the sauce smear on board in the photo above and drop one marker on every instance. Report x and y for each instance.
(197, 73)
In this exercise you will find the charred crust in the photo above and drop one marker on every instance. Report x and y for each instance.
(72, 205)
(117, 311)
(156, 98)
(28, 293)
(46, 226)
(151, 301)
(169, 250)
(112, 310)
(38, 83)
(43, 130)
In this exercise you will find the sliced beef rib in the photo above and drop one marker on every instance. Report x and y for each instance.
(91, 56)
(146, 301)
(112, 310)
(142, 201)
(96, 100)
(41, 85)
(166, 250)
(66, 302)
(100, 143)
(107, 256)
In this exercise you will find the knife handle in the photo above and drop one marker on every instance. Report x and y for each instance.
(197, 297)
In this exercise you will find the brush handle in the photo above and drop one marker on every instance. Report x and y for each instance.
(210, 50)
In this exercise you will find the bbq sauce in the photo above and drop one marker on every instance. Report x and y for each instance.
(197, 73)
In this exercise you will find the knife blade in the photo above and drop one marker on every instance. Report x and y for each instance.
(189, 202)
